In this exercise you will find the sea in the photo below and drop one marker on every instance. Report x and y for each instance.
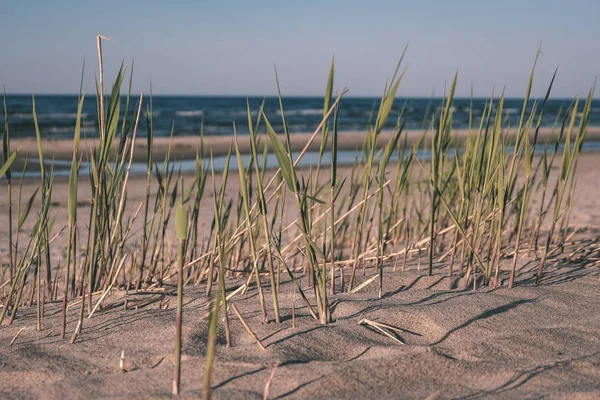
(216, 115)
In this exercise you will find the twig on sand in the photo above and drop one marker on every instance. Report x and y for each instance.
(382, 328)
(229, 296)
(365, 283)
(268, 384)
(108, 289)
(250, 332)
(122, 362)
(434, 395)
(14, 339)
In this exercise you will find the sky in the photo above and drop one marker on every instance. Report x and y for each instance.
(230, 47)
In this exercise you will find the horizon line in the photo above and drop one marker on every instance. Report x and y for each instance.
(307, 96)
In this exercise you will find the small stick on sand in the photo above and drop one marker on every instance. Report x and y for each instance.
(108, 289)
(250, 332)
(382, 328)
(122, 362)
(365, 283)
(268, 384)
(14, 339)
(229, 296)
(434, 396)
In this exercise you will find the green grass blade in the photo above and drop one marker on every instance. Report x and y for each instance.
(27, 209)
(181, 222)
(6, 140)
(38, 139)
(285, 162)
(6, 166)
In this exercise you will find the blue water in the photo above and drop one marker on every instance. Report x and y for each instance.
(56, 114)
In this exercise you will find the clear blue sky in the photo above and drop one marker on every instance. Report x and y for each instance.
(229, 47)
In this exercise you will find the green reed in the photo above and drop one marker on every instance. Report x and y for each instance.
(471, 203)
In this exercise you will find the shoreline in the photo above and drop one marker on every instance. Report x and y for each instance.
(186, 147)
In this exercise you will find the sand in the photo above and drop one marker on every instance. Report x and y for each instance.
(529, 342)
(186, 147)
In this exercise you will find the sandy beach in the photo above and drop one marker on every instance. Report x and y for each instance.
(527, 342)
(300, 200)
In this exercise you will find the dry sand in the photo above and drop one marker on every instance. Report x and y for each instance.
(529, 342)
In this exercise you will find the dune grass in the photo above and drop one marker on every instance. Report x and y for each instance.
(468, 203)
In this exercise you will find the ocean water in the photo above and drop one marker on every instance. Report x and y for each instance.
(186, 115)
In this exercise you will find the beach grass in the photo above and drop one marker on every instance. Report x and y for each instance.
(467, 202)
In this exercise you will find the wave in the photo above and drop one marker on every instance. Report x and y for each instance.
(304, 112)
(440, 108)
(230, 114)
(48, 116)
(190, 113)
(61, 129)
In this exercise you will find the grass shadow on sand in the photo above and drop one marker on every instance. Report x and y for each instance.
(484, 315)
(297, 388)
(520, 378)
(233, 378)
